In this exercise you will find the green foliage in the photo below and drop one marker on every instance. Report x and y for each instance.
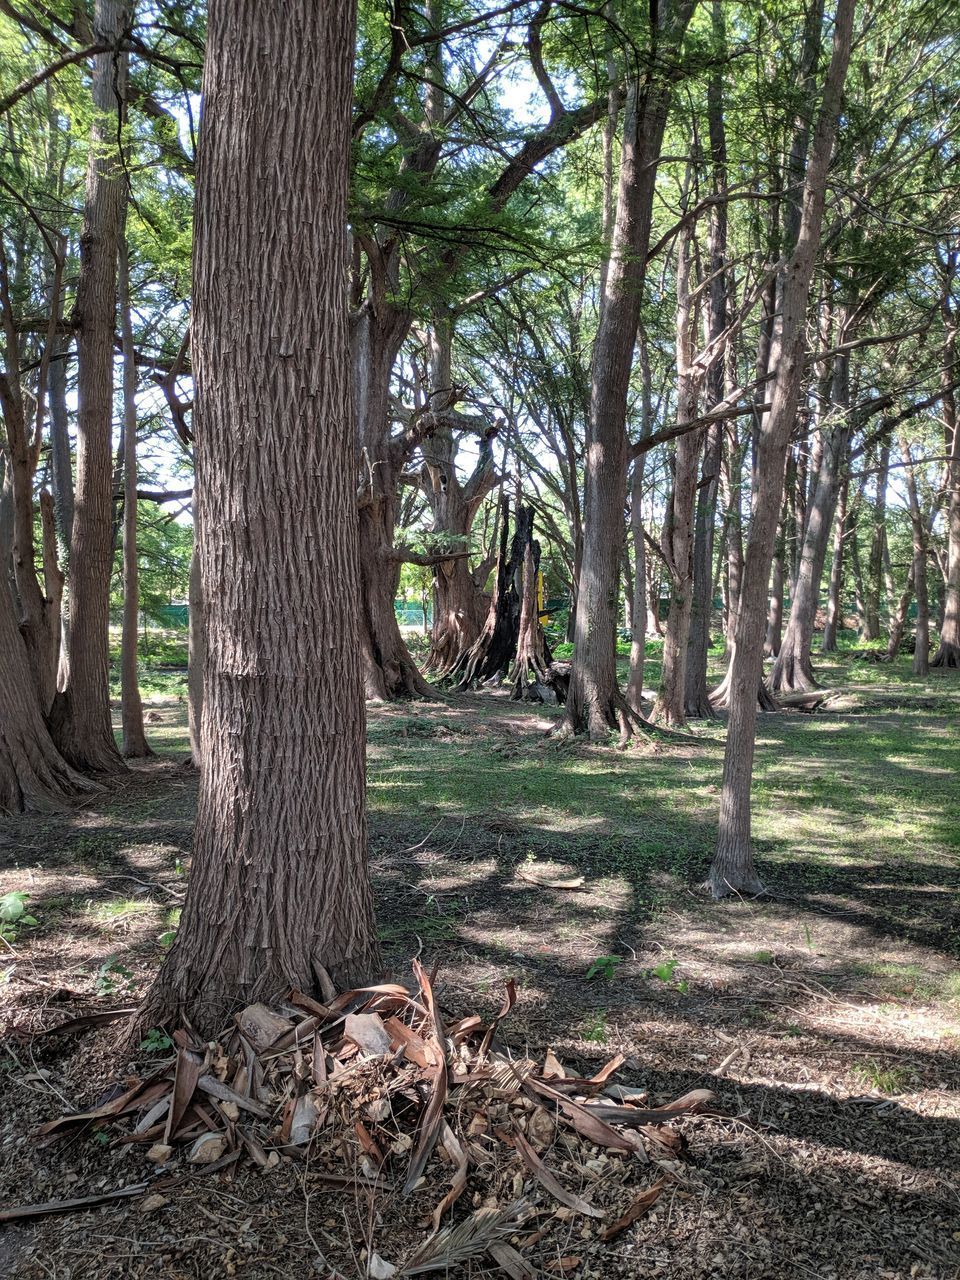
(156, 1041)
(604, 968)
(14, 915)
(113, 978)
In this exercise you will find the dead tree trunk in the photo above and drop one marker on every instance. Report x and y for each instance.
(279, 892)
(80, 719)
(131, 706)
(732, 869)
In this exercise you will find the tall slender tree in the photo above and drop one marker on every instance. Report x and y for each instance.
(732, 869)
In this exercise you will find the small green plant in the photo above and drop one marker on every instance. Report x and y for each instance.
(808, 936)
(604, 968)
(13, 915)
(762, 957)
(890, 1080)
(664, 972)
(112, 978)
(792, 1031)
(595, 1029)
(156, 1041)
(166, 938)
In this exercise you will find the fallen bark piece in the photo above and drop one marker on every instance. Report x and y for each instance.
(637, 1209)
(261, 1026)
(71, 1206)
(367, 1032)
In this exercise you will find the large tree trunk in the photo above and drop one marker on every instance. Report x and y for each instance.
(793, 669)
(732, 869)
(81, 713)
(131, 706)
(595, 704)
(34, 777)
(279, 891)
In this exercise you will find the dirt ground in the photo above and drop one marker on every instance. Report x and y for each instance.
(825, 1018)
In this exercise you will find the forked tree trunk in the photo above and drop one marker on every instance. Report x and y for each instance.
(898, 617)
(131, 706)
(80, 720)
(732, 869)
(873, 580)
(279, 892)
(595, 704)
(531, 667)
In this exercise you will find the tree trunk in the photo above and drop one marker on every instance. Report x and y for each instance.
(638, 618)
(948, 652)
(279, 893)
(595, 704)
(772, 638)
(61, 475)
(918, 528)
(835, 594)
(732, 869)
(670, 706)
(196, 652)
(873, 582)
(81, 713)
(793, 669)
(131, 706)
(34, 777)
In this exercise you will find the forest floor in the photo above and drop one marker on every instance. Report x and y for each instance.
(825, 1017)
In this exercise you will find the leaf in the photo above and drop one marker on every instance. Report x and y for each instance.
(188, 1072)
(433, 1116)
(636, 1210)
(590, 1126)
(458, 1185)
(513, 1263)
(549, 1181)
(455, 1245)
(211, 1085)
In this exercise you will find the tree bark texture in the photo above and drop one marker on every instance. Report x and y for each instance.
(279, 888)
(835, 591)
(81, 714)
(732, 869)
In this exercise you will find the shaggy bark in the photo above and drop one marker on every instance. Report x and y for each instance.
(279, 892)
(131, 706)
(80, 719)
(595, 704)
(732, 869)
